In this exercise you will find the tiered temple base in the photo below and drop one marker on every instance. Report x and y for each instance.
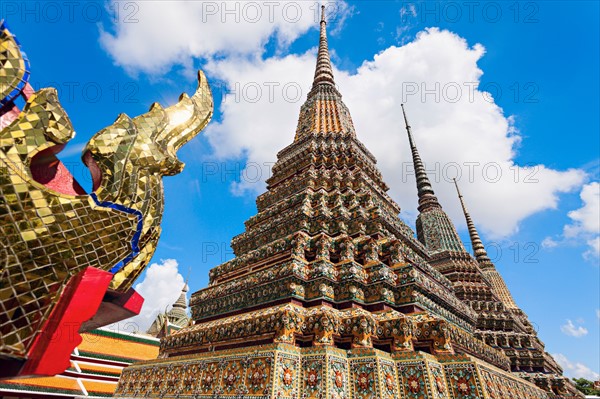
(286, 371)
(331, 296)
(322, 352)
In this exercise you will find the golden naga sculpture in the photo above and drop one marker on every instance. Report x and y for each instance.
(67, 255)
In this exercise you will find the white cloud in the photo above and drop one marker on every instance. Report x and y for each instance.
(585, 223)
(160, 288)
(257, 121)
(452, 133)
(549, 242)
(572, 330)
(587, 218)
(594, 248)
(155, 35)
(575, 370)
(409, 9)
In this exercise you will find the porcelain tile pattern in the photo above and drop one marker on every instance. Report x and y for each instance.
(331, 295)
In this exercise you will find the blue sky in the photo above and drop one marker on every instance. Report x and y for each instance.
(534, 110)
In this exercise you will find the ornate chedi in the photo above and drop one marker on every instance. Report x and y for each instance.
(438, 234)
(330, 294)
(173, 320)
(500, 323)
(517, 337)
(68, 258)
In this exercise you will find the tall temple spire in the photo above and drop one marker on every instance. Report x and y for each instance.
(478, 248)
(323, 71)
(324, 112)
(326, 248)
(485, 264)
(434, 228)
(427, 198)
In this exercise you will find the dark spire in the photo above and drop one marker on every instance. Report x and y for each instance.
(478, 248)
(485, 264)
(323, 72)
(427, 198)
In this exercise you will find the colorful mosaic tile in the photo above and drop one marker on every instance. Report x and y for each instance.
(51, 228)
(338, 290)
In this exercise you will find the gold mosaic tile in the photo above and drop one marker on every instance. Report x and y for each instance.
(48, 236)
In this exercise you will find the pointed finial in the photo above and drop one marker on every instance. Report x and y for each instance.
(182, 300)
(459, 194)
(186, 287)
(405, 118)
(323, 72)
(478, 247)
(427, 198)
